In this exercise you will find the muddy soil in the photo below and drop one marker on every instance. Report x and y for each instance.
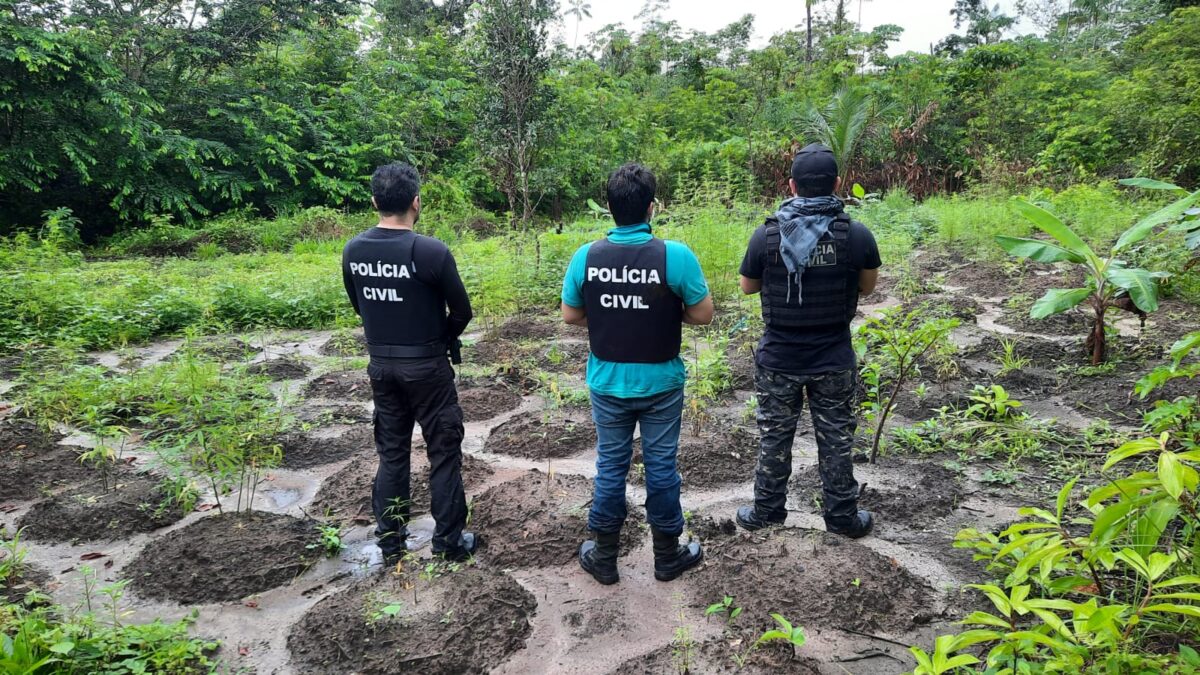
(937, 494)
(711, 459)
(813, 578)
(326, 415)
(524, 327)
(281, 369)
(302, 450)
(570, 358)
(595, 618)
(132, 504)
(224, 557)
(937, 396)
(716, 656)
(33, 463)
(20, 583)
(352, 385)
(1068, 324)
(543, 435)
(533, 521)
(991, 280)
(952, 306)
(484, 403)
(465, 621)
(346, 495)
(226, 350)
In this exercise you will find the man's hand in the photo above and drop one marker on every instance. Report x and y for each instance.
(575, 316)
(699, 314)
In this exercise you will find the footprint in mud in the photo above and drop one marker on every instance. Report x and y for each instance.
(814, 579)
(418, 620)
(224, 557)
(536, 521)
(542, 435)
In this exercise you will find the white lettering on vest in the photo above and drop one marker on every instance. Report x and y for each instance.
(625, 275)
(382, 294)
(824, 255)
(609, 301)
(380, 269)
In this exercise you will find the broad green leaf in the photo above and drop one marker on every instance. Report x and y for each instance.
(1184, 580)
(1151, 184)
(1150, 527)
(1170, 472)
(1145, 226)
(1130, 449)
(1189, 610)
(1057, 301)
(1037, 251)
(1134, 560)
(1050, 224)
(1160, 563)
(1185, 346)
(1177, 596)
(922, 658)
(63, 647)
(985, 619)
(858, 191)
(1021, 542)
(1104, 616)
(973, 637)
(1141, 286)
(1063, 495)
(1189, 655)
(1057, 645)
(959, 661)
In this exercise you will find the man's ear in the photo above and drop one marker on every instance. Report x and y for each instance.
(374, 205)
(650, 212)
(792, 187)
(416, 204)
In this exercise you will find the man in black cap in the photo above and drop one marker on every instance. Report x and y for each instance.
(401, 284)
(810, 262)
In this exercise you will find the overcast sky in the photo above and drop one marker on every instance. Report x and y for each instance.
(924, 21)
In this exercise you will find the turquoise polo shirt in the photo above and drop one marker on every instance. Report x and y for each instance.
(684, 277)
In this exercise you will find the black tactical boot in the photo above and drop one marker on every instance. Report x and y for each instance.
(598, 557)
(466, 548)
(671, 558)
(856, 526)
(749, 519)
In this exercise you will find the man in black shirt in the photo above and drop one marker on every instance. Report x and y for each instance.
(810, 262)
(401, 284)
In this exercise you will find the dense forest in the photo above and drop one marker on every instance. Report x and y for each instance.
(129, 113)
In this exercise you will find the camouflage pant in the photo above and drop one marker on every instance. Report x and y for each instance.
(780, 402)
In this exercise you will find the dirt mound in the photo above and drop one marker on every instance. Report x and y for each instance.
(1043, 354)
(934, 493)
(221, 349)
(223, 558)
(950, 306)
(523, 327)
(741, 368)
(32, 461)
(281, 369)
(304, 450)
(1071, 323)
(351, 385)
(936, 396)
(134, 503)
(812, 578)
(346, 495)
(325, 415)
(717, 458)
(345, 344)
(705, 528)
(479, 404)
(466, 621)
(19, 583)
(533, 521)
(716, 656)
(570, 358)
(542, 435)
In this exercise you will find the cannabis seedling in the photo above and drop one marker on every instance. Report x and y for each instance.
(330, 541)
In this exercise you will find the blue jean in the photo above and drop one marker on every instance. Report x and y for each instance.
(659, 418)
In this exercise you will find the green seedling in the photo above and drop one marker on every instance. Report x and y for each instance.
(792, 635)
(1010, 361)
(330, 541)
(725, 607)
(992, 404)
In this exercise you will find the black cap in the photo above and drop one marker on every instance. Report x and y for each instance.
(814, 162)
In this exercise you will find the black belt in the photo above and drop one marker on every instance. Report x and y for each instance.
(407, 351)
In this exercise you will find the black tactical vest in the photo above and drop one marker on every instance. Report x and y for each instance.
(633, 315)
(827, 298)
(399, 309)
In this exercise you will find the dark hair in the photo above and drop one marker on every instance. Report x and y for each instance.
(394, 187)
(630, 193)
(815, 186)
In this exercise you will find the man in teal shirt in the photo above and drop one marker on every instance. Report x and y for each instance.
(633, 292)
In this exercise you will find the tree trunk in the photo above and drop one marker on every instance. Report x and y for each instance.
(808, 7)
(1098, 338)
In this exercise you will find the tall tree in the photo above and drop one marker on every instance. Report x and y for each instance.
(808, 6)
(579, 9)
(510, 55)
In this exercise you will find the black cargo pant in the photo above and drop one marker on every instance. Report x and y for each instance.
(421, 391)
(780, 402)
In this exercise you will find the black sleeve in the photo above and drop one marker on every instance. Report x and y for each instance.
(752, 263)
(348, 281)
(456, 298)
(866, 250)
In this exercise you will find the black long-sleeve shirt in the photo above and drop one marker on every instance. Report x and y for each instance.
(432, 264)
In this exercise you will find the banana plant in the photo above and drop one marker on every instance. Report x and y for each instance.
(1111, 282)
